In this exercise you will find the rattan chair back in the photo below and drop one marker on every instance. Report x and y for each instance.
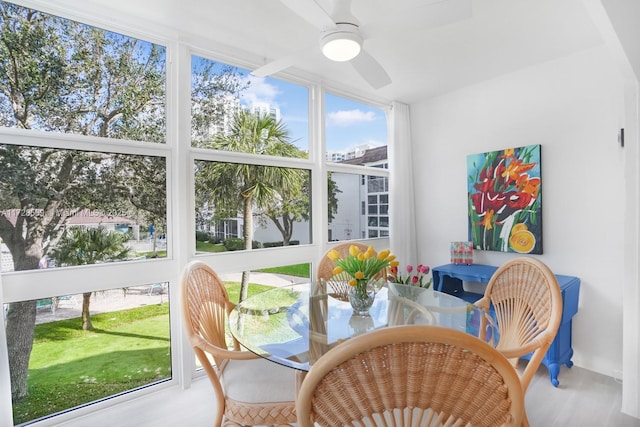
(205, 307)
(416, 375)
(527, 301)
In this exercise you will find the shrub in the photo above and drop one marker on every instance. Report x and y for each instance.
(203, 236)
(237, 244)
(280, 243)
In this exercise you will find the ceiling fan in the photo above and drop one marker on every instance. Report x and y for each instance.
(342, 37)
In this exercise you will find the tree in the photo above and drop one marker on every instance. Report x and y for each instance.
(81, 247)
(60, 76)
(293, 206)
(233, 187)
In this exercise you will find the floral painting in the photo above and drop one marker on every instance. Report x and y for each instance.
(505, 200)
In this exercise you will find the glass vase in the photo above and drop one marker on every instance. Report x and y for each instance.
(361, 297)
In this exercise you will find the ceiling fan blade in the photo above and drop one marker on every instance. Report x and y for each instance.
(311, 12)
(370, 70)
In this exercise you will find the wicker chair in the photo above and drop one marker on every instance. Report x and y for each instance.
(338, 284)
(249, 390)
(411, 375)
(527, 301)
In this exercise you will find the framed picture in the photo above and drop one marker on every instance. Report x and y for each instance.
(505, 200)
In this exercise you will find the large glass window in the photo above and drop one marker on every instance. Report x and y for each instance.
(356, 135)
(70, 207)
(87, 174)
(57, 75)
(126, 347)
(227, 100)
(360, 215)
(80, 186)
(237, 203)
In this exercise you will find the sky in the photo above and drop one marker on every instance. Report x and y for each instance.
(348, 123)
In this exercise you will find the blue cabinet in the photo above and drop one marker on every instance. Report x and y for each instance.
(449, 278)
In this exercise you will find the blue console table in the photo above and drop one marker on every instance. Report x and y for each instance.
(449, 278)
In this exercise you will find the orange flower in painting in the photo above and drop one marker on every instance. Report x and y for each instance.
(522, 241)
(531, 186)
(487, 221)
(515, 169)
(508, 153)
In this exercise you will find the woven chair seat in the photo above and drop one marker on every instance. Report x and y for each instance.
(258, 380)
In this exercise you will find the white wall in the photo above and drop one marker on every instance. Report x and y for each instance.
(573, 107)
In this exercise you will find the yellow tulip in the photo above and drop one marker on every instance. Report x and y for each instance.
(391, 258)
(337, 270)
(353, 282)
(382, 255)
(360, 256)
(333, 255)
(353, 250)
(359, 275)
(394, 263)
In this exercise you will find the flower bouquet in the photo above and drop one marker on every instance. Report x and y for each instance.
(417, 278)
(363, 270)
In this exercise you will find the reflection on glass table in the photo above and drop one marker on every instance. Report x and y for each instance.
(295, 325)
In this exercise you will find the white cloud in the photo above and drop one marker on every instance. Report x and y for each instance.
(260, 91)
(345, 118)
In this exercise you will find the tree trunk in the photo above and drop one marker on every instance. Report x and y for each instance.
(20, 328)
(155, 244)
(86, 319)
(247, 234)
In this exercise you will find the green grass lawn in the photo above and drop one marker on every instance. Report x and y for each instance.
(209, 247)
(300, 270)
(127, 349)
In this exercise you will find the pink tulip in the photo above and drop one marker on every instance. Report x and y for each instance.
(414, 279)
(409, 268)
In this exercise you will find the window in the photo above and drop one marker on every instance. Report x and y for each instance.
(276, 198)
(68, 200)
(355, 132)
(91, 150)
(356, 136)
(79, 79)
(234, 111)
(358, 215)
(103, 198)
(132, 322)
(226, 101)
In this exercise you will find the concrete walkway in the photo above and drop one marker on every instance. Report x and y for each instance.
(138, 296)
(271, 279)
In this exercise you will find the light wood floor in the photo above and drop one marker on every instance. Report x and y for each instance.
(583, 398)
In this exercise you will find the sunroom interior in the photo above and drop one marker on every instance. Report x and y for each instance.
(474, 76)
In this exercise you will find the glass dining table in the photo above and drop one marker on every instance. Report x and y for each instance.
(295, 325)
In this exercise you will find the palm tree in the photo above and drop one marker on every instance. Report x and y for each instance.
(89, 246)
(235, 187)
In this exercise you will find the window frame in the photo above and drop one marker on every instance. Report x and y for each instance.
(179, 155)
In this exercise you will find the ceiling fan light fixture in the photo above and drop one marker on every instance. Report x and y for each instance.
(341, 44)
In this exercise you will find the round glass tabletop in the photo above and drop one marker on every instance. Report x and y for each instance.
(295, 325)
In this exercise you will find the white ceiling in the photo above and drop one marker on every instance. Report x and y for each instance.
(428, 47)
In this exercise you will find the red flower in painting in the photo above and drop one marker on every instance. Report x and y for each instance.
(518, 200)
